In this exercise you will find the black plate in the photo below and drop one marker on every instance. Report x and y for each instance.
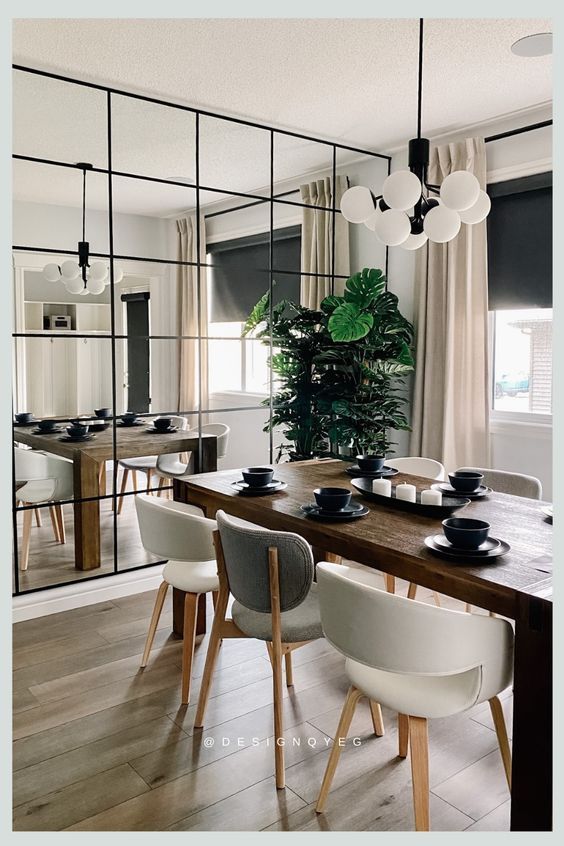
(33, 422)
(450, 504)
(130, 425)
(444, 488)
(464, 557)
(349, 513)
(488, 546)
(70, 440)
(384, 473)
(38, 431)
(152, 431)
(246, 490)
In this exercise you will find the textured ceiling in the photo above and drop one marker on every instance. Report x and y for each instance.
(348, 80)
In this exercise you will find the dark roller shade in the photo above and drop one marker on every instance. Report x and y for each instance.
(520, 243)
(240, 272)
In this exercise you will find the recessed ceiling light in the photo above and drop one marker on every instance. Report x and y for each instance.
(532, 46)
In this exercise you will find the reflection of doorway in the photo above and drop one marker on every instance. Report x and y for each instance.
(138, 365)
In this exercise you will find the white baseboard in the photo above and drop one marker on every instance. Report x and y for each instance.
(53, 600)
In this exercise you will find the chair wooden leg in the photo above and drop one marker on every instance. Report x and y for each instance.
(390, 582)
(377, 720)
(289, 669)
(190, 617)
(122, 489)
(60, 523)
(419, 741)
(149, 478)
(278, 720)
(437, 599)
(468, 608)
(501, 731)
(38, 521)
(211, 657)
(24, 555)
(54, 524)
(353, 695)
(155, 617)
(412, 590)
(403, 735)
(161, 485)
(134, 479)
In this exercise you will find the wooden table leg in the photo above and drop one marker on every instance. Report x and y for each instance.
(86, 514)
(531, 792)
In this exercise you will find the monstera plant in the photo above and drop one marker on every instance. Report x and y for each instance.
(339, 369)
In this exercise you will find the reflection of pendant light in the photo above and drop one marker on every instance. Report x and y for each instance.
(82, 278)
(404, 215)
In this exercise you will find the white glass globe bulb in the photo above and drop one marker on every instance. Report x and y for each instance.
(98, 271)
(118, 274)
(392, 227)
(95, 286)
(479, 211)
(413, 242)
(84, 292)
(460, 190)
(70, 270)
(401, 190)
(52, 272)
(441, 224)
(371, 221)
(357, 204)
(74, 286)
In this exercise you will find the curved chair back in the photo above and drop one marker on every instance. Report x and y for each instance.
(30, 465)
(399, 635)
(510, 483)
(427, 467)
(245, 550)
(168, 463)
(33, 466)
(174, 530)
(221, 431)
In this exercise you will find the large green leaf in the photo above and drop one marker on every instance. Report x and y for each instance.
(349, 323)
(330, 303)
(257, 315)
(364, 287)
(394, 367)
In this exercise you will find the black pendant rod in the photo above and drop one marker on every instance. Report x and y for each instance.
(420, 82)
(84, 204)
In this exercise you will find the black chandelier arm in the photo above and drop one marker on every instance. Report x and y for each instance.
(436, 189)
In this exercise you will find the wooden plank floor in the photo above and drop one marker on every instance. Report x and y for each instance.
(101, 745)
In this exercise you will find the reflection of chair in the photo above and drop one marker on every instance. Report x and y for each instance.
(170, 466)
(46, 478)
(510, 483)
(270, 575)
(417, 660)
(181, 534)
(144, 464)
(427, 467)
(221, 431)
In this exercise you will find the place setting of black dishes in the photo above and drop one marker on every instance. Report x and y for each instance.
(49, 426)
(258, 481)
(77, 433)
(25, 418)
(371, 467)
(465, 483)
(130, 418)
(161, 426)
(334, 504)
(466, 540)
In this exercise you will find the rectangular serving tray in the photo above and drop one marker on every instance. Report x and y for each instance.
(450, 503)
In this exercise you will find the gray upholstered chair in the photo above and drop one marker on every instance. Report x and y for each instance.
(510, 483)
(270, 575)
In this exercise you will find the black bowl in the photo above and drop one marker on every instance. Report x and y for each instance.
(75, 431)
(24, 417)
(371, 463)
(332, 499)
(465, 533)
(47, 425)
(465, 481)
(102, 413)
(258, 477)
(161, 424)
(129, 418)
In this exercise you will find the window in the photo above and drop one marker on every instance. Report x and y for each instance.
(520, 295)
(238, 277)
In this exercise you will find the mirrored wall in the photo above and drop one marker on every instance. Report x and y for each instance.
(189, 218)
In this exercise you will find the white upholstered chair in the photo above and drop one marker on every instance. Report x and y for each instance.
(221, 431)
(413, 658)
(510, 483)
(149, 463)
(172, 466)
(183, 536)
(427, 467)
(47, 479)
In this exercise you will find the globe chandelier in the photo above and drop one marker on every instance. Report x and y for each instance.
(406, 214)
(81, 277)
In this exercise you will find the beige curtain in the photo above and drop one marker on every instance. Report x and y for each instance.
(451, 399)
(317, 240)
(190, 372)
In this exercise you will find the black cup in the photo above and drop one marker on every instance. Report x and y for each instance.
(129, 418)
(465, 481)
(371, 463)
(161, 424)
(332, 499)
(24, 417)
(77, 430)
(465, 533)
(47, 425)
(102, 413)
(258, 477)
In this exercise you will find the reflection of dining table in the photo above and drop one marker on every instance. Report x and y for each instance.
(89, 461)
(517, 586)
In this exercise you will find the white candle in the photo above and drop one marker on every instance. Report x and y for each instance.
(382, 487)
(431, 498)
(405, 491)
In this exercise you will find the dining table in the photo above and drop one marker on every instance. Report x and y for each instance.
(89, 459)
(517, 585)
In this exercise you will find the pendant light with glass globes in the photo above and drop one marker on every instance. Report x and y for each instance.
(406, 214)
(82, 277)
